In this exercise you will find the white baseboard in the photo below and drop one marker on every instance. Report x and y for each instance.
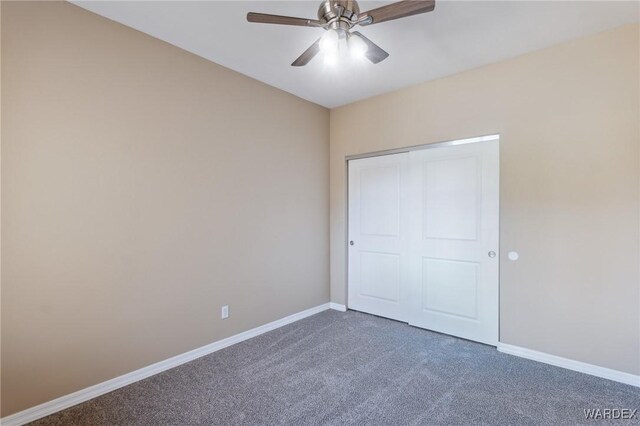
(86, 394)
(338, 307)
(570, 364)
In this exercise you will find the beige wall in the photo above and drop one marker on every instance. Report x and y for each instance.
(142, 188)
(570, 184)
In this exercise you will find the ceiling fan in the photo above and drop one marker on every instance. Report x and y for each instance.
(339, 17)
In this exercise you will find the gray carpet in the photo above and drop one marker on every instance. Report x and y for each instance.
(352, 368)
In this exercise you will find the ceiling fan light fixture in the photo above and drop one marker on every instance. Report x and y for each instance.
(329, 42)
(357, 47)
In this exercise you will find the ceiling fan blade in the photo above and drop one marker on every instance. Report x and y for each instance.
(263, 18)
(397, 10)
(374, 52)
(307, 55)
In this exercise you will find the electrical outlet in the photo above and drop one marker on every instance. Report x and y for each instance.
(225, 312)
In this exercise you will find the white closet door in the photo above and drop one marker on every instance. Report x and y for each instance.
(453, 243)
(378, 190)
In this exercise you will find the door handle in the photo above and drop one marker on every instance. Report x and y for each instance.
(351, 243)
(492, 254)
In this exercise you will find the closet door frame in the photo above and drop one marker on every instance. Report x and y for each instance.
(494, 137)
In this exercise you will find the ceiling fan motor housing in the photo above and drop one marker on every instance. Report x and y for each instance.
(340, 15)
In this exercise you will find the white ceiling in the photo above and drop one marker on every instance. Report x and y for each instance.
(457, 36)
